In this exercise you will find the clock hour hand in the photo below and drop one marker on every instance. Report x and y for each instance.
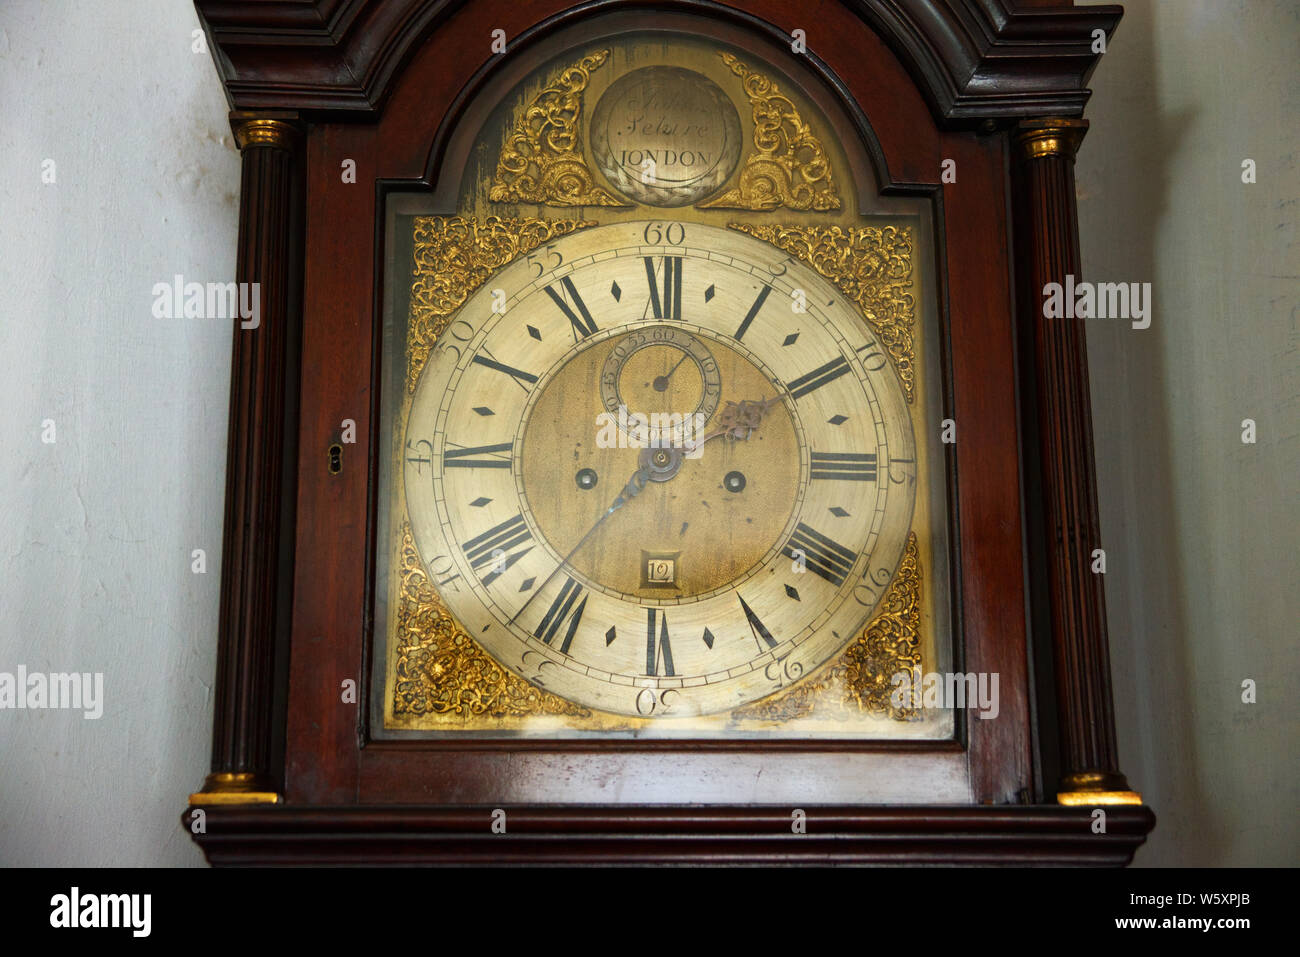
(738, 420)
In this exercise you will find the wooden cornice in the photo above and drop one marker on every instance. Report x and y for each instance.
(979, 60)
(974, 60)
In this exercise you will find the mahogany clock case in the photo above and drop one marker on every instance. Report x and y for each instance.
(404, 110)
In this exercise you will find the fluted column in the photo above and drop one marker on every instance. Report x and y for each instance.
(252, 572)
(1047, 237)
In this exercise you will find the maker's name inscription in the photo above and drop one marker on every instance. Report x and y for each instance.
(665, 136)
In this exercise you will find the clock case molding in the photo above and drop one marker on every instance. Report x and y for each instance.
(997, 86)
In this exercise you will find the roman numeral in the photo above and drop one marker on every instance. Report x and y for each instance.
(518, 375)
(559, 611)
(753, 311)
(757, 627)
(823, 556)
(826, 373)
(669, 305)
(459, 457)
(483, 549)
(818, 377)
(583, 324)
(851, 466)
(665, 650)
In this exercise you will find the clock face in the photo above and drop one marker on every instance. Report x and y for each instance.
(659, 470)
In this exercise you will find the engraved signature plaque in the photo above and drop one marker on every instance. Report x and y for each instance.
(665, 136)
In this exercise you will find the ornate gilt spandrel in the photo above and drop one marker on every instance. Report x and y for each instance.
(454, 256)
(789, 166)
(861, 679)
(541, 160)
(441, 670)
(873, 266)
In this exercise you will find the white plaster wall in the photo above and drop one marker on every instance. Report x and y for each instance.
(98, 527)
(1201, 530)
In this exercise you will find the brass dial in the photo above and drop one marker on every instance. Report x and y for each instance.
(732, 546)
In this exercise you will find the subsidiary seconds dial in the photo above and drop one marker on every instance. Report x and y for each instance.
(660, 370)
(722, 553)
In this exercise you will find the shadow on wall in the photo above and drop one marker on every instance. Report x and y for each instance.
(1124, 192)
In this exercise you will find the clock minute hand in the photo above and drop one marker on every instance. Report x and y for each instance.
(738, 420)
(630, 491)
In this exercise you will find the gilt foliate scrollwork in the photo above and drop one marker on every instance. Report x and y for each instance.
(541, 160)
(442, 670)
(789, 166)
(872, 265)
(452, 257)
(861, 679)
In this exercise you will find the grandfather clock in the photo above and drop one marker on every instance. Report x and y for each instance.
(654, 448)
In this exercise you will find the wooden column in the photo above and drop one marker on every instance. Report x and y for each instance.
(1047, 239)
(254, 572)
